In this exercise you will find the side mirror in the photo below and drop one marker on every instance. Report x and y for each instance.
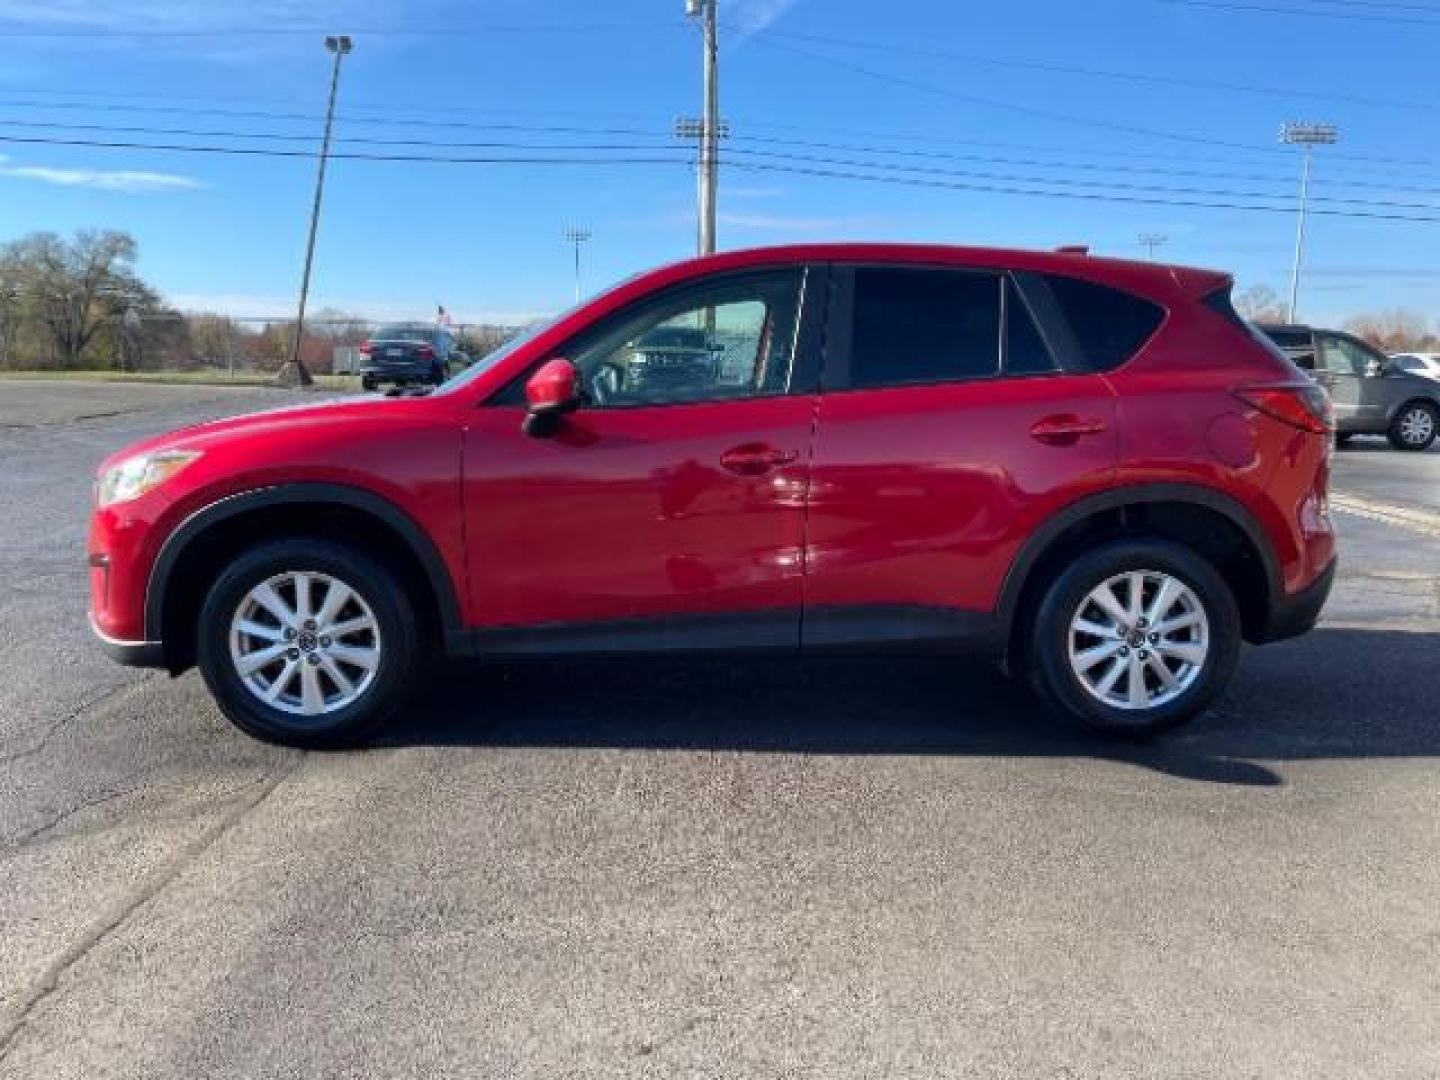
(1375, 368)
(550, 393)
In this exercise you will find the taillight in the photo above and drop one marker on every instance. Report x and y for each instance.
(426, 352)
(1306, 406)
(366, 348)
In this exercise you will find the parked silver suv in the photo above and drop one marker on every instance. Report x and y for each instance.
(1372, 394)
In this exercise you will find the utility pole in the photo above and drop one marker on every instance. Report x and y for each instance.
(705, 10)
(577, 236)
(1307, 136)
(295, 373)
(1151, 242)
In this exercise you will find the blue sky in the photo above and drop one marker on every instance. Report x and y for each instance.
(1171, 100)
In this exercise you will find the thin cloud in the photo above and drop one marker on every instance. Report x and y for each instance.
(753, 16)
(129, 181)
(739, 192)
(782, 223)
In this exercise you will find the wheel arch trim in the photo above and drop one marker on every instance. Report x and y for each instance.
(200, 521)
(1040, 543)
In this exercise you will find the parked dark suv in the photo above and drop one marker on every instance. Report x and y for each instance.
(407, 354)
(1091, 468)
(1372, 394)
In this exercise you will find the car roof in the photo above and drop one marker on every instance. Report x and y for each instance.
(1145, 277)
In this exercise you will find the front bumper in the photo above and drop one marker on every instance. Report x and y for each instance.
(1298, 613)
(147, 654)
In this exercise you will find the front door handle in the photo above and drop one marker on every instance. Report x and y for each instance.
(755, 459)
(1065, 429)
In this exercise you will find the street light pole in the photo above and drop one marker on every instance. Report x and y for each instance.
(710, 121)
(577, 236)
(1151, 242)
(296, 373)
(1307, 137)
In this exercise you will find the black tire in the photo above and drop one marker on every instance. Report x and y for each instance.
(1048, 652)
(1415, 426)
(398, 633)
(367, 382)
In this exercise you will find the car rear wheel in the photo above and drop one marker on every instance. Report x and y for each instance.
(307, 643)
(1134, 638)
(1415, 426)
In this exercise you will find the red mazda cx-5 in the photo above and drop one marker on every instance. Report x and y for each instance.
(1090, 468)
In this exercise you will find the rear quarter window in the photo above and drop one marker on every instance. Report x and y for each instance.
(1109, 325)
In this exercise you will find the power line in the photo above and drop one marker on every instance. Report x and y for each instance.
(471, 30)
(397, 120)
(1270, 9)
(1011, 106)
(1048, 114)
(663, 147)
(1084, 196)
(1124, 76)
(799, 165)
(260, 151)
(1108, 185)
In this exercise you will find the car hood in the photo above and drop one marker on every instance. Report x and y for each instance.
(345, 410)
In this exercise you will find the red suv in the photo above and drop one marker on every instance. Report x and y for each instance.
(1092, 469)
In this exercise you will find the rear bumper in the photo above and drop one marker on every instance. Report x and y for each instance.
(1297, 613)
(398, 372)
(147, 654)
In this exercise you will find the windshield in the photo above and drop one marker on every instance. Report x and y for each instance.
(490, 359)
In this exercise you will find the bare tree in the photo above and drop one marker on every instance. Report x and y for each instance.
(73, 287)
(1261, 304)
(12, 308)
(1392, 330)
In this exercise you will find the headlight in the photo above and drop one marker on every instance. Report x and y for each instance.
(135, 476)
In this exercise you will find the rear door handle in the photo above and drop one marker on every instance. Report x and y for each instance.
(1065, 429)
(755, 459)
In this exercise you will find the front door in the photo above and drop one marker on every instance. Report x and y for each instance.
(1342, 368)
(669, 509)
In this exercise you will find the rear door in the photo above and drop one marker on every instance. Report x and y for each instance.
(946, 432)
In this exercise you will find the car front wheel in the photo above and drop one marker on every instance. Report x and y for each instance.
(307, 643)
(1415, 426)
(1134, 638)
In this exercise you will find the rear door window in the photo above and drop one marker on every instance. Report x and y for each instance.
(1341, 356)
(914, 325)
(1109, 325)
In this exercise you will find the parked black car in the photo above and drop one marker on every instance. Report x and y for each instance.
(1372, 394)
(408, 354)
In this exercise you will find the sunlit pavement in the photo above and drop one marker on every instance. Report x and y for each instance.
(822, 869)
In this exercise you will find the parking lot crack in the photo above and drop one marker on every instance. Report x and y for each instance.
(80, 807)
(16, 1017)
(74, 714)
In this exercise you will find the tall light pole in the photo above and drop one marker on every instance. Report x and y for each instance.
(296, 373)
(1307, 136)
(1152, 242)
(577, 236)
(705, 11)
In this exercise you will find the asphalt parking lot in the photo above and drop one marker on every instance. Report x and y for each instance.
(867, 868)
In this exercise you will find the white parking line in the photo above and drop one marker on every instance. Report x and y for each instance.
(1425, 522)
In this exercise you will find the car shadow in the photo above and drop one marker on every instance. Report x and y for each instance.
(1336, 693)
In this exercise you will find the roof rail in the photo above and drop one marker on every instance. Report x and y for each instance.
(1073, 249)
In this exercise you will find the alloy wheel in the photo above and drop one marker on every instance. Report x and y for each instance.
(1417, 426)
(1139, 640)
(305, 643)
